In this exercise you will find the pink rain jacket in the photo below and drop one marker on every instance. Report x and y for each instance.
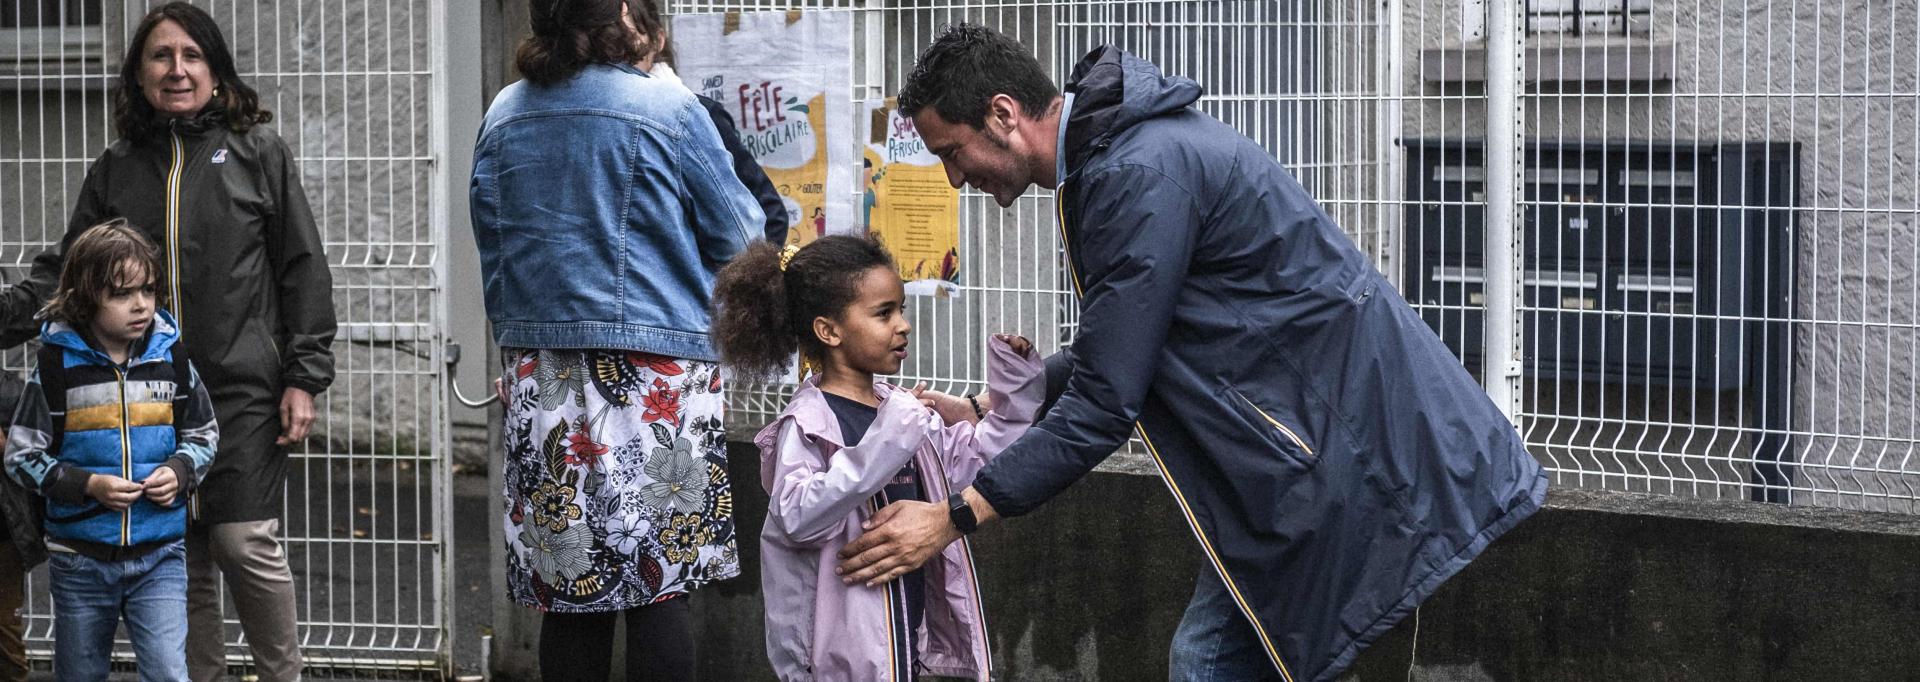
(822, 489)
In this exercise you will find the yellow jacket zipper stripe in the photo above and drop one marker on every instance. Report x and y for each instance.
(893, 664)
(966, 561)
(126, 458)
(175, 171)
(1275, 422)
(1060, 211)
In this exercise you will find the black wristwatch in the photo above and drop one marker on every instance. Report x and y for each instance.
(961, 514)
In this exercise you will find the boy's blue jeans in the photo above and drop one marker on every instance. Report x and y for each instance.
(89, 597)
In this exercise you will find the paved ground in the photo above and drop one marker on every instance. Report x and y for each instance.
(366, 569)
(473, 602)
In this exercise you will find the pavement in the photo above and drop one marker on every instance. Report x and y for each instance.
(370, 567)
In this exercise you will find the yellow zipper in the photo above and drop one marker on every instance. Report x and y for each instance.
(1060, 209)
(1179, 497)
(174, 172)
(1275, 422)
(966, 557)
(126, 456)
(893, 665)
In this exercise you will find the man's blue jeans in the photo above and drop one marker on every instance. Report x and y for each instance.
(89, 597)
(1214, 642)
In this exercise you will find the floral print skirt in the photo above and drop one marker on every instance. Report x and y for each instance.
(616, 479)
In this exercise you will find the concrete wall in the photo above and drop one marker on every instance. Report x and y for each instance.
(1597, 586)
(1824, 75)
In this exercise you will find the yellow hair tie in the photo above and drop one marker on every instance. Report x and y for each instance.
(786, 255)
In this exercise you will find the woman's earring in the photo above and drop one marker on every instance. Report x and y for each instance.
(216, 91)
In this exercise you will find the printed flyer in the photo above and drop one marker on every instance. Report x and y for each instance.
(907, 202)
(786, 77)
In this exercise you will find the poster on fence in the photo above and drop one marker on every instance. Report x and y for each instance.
(905, 200)
(787, 79)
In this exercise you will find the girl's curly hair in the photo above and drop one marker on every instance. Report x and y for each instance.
(762, 313)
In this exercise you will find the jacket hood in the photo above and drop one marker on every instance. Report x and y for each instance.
(211, 118)
(160, 337)
(1113, 91)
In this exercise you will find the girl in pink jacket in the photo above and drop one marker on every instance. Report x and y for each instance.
(847, 446)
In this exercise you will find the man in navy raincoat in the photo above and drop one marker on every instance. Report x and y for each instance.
(1334, 460)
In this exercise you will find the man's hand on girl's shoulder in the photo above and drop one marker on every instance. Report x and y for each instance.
(951, 408)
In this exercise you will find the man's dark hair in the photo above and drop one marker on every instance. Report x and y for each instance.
(134, 117)
(966, 66)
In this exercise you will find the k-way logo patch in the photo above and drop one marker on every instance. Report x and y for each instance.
(220, 156)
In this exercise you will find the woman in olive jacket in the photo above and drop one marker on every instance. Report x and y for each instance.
(251, 292)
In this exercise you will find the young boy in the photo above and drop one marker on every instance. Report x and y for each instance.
(114, 430)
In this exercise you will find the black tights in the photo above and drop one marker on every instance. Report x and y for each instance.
(578, 647)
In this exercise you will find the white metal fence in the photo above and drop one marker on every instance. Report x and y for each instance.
(351, 84)
(1704, 278)
(1708, 281)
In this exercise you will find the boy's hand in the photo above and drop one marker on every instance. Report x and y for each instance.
(162, 485)
(114, 492)
(1018, 343)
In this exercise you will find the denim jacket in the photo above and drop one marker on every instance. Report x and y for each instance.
(603, 205)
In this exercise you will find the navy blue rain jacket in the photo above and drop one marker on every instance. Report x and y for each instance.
(1335, 461)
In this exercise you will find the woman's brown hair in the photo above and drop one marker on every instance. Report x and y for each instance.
(103, 258)
(762, 313)
(570, 34)
(134, 117)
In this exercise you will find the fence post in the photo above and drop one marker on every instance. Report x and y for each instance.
(1505, 42)
(1390, 78)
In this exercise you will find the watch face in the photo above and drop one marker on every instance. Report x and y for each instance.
(961, 514)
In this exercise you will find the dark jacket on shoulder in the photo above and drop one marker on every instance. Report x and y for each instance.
(20, 510)
(750, 172)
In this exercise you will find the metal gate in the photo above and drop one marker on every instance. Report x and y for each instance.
(354, 92)
(1304, 80)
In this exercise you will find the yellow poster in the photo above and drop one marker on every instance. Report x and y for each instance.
(785, 78)
(907, 202)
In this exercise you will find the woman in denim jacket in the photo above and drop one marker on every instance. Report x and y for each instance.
(603, 205)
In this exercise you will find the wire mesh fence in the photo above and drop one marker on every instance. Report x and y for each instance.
(348, 83)
(1712, 286)
(1716, 211)
(1303, 110)
(1713, 205)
